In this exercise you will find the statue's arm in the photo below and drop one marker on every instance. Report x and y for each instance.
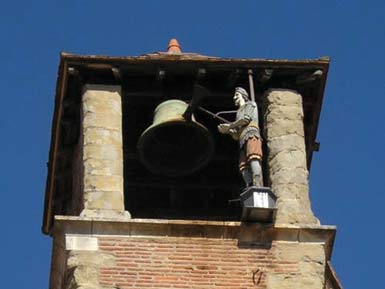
(232, 127)
(239, 123)
(234, 134)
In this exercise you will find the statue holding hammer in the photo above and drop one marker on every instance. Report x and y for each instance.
(245, 129)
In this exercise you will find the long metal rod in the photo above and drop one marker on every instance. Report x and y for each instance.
(213, 114)
(226, 112)
(251, 84)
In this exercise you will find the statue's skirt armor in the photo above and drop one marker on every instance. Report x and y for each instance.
(173, 146)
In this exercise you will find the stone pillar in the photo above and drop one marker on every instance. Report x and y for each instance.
(102, 151)
(286, 156)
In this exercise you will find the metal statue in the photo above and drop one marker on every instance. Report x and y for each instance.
(245, 130)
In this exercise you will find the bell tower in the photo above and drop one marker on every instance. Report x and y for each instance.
(143, 191)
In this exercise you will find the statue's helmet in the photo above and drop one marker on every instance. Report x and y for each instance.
(243, 92)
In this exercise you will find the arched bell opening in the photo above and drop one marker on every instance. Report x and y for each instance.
(209, 160)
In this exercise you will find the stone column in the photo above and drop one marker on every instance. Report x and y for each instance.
(102, 151)
(286, 156)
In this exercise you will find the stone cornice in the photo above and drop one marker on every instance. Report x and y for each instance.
(248, 234)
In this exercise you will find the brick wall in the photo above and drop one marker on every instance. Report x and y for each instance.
(177, 262)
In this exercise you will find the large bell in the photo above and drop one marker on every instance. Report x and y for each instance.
(172, 145)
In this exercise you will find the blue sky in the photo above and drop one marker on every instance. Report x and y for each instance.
(348, 174)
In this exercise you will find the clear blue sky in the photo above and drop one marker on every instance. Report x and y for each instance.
(348, 174)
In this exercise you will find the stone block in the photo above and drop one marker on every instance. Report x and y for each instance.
(286, 281)
(292, 213)
(81, 243)
(105, 214)
(96, 135)
(148, 229)
(83, 268)
(80, 228)
(283, 96)
(280, 144)
(104, 200)
(285, 112)
(104, 121)
(312, 252)
(215, 231)
(231, 232)
(104, 152)
(292, 190)
(90, 258)
(102, 183)
(296, 252)
(98, 103)
(310, 260)
(312, 236)
(285, 234)
(102, 167)
(284, 127)
(111, 228)
(287, 159)
(250, 233)
(298, 176)
(83, 276)
(287, 251)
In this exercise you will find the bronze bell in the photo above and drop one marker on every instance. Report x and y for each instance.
(173, 146)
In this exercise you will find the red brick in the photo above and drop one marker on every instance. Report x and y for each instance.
(173, 262)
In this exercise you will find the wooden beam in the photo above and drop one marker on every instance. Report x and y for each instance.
(265, 75)
(233, 78)
(116, 73)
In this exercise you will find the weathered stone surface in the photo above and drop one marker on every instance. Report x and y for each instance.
(295, 191)
(291, 175)
(294, 159)
(104, 121)
(295, 251)
(286, 157)
(287, 112)
(311, 261)
(84, 243)
(103, 183)
(83, 276)
(101, 167)
(95, 135)
(98, 103)
(280, 144)
(83, 258)
(285, 281)
(103, 214)
(83, 268)
(282, 127)
(104, 200)
(102, 150)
